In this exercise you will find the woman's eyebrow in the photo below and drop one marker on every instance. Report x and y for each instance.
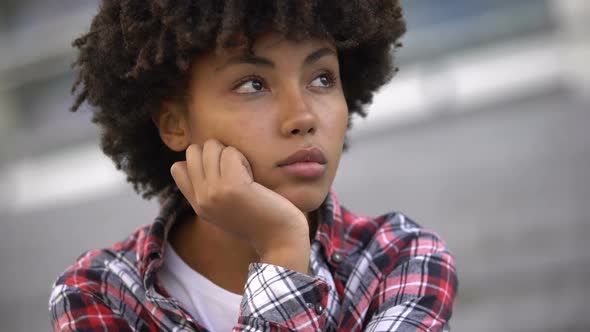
(247, 59)
(318, 54)
(261, 61)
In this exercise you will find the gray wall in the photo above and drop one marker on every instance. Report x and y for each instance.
(508, 189)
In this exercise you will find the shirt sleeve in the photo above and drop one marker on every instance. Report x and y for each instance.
(418, 295)
(279, 299)
(72, 310)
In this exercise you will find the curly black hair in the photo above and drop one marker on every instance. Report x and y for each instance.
(138, 52)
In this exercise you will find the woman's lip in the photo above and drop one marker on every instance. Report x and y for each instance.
(311, 154)
(305, 169)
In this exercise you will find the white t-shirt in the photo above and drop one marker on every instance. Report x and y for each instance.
(212, 306)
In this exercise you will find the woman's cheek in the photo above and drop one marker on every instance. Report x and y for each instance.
(249, 146)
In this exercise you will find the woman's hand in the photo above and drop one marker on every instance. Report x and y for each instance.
(217, 181)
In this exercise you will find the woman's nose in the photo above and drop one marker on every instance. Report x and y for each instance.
(297, 116)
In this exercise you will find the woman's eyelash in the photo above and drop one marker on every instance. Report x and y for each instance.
(248, 79)
(327, 73)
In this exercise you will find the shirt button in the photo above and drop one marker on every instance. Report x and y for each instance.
(337, 258)
(319, 308)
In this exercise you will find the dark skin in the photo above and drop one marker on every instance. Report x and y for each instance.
(243, 116)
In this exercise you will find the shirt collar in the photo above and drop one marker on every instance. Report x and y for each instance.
(152, 247)
(329, 234)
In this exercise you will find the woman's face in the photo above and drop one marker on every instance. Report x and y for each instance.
(285, 97)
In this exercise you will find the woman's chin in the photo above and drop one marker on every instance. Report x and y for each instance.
(306, 198)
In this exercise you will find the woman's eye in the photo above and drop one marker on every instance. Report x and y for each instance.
(323, 81)
(250, 86)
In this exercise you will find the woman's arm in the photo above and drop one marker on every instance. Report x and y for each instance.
(280, 299)
(72, 310)
(418, 295)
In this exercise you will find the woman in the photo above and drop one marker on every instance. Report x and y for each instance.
(234, 114)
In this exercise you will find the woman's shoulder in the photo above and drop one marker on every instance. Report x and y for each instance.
(391, 238)
(104, 288)
(96, 267)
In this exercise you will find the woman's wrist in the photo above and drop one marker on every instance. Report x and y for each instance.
(295, 259)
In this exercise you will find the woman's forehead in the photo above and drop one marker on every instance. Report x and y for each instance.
(270, 51)
(269, 41)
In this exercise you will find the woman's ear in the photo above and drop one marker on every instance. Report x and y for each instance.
(172, 123)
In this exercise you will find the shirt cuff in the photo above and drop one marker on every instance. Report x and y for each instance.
(277, 295)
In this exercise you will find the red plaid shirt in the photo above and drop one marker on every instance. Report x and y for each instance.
(370, 274)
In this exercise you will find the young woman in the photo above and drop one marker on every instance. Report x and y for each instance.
(234, 114)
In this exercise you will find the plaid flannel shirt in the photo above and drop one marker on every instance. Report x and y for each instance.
(369, 274)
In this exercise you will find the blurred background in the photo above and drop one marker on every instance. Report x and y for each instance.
(482, 136)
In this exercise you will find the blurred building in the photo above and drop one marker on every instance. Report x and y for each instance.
(482, 137)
